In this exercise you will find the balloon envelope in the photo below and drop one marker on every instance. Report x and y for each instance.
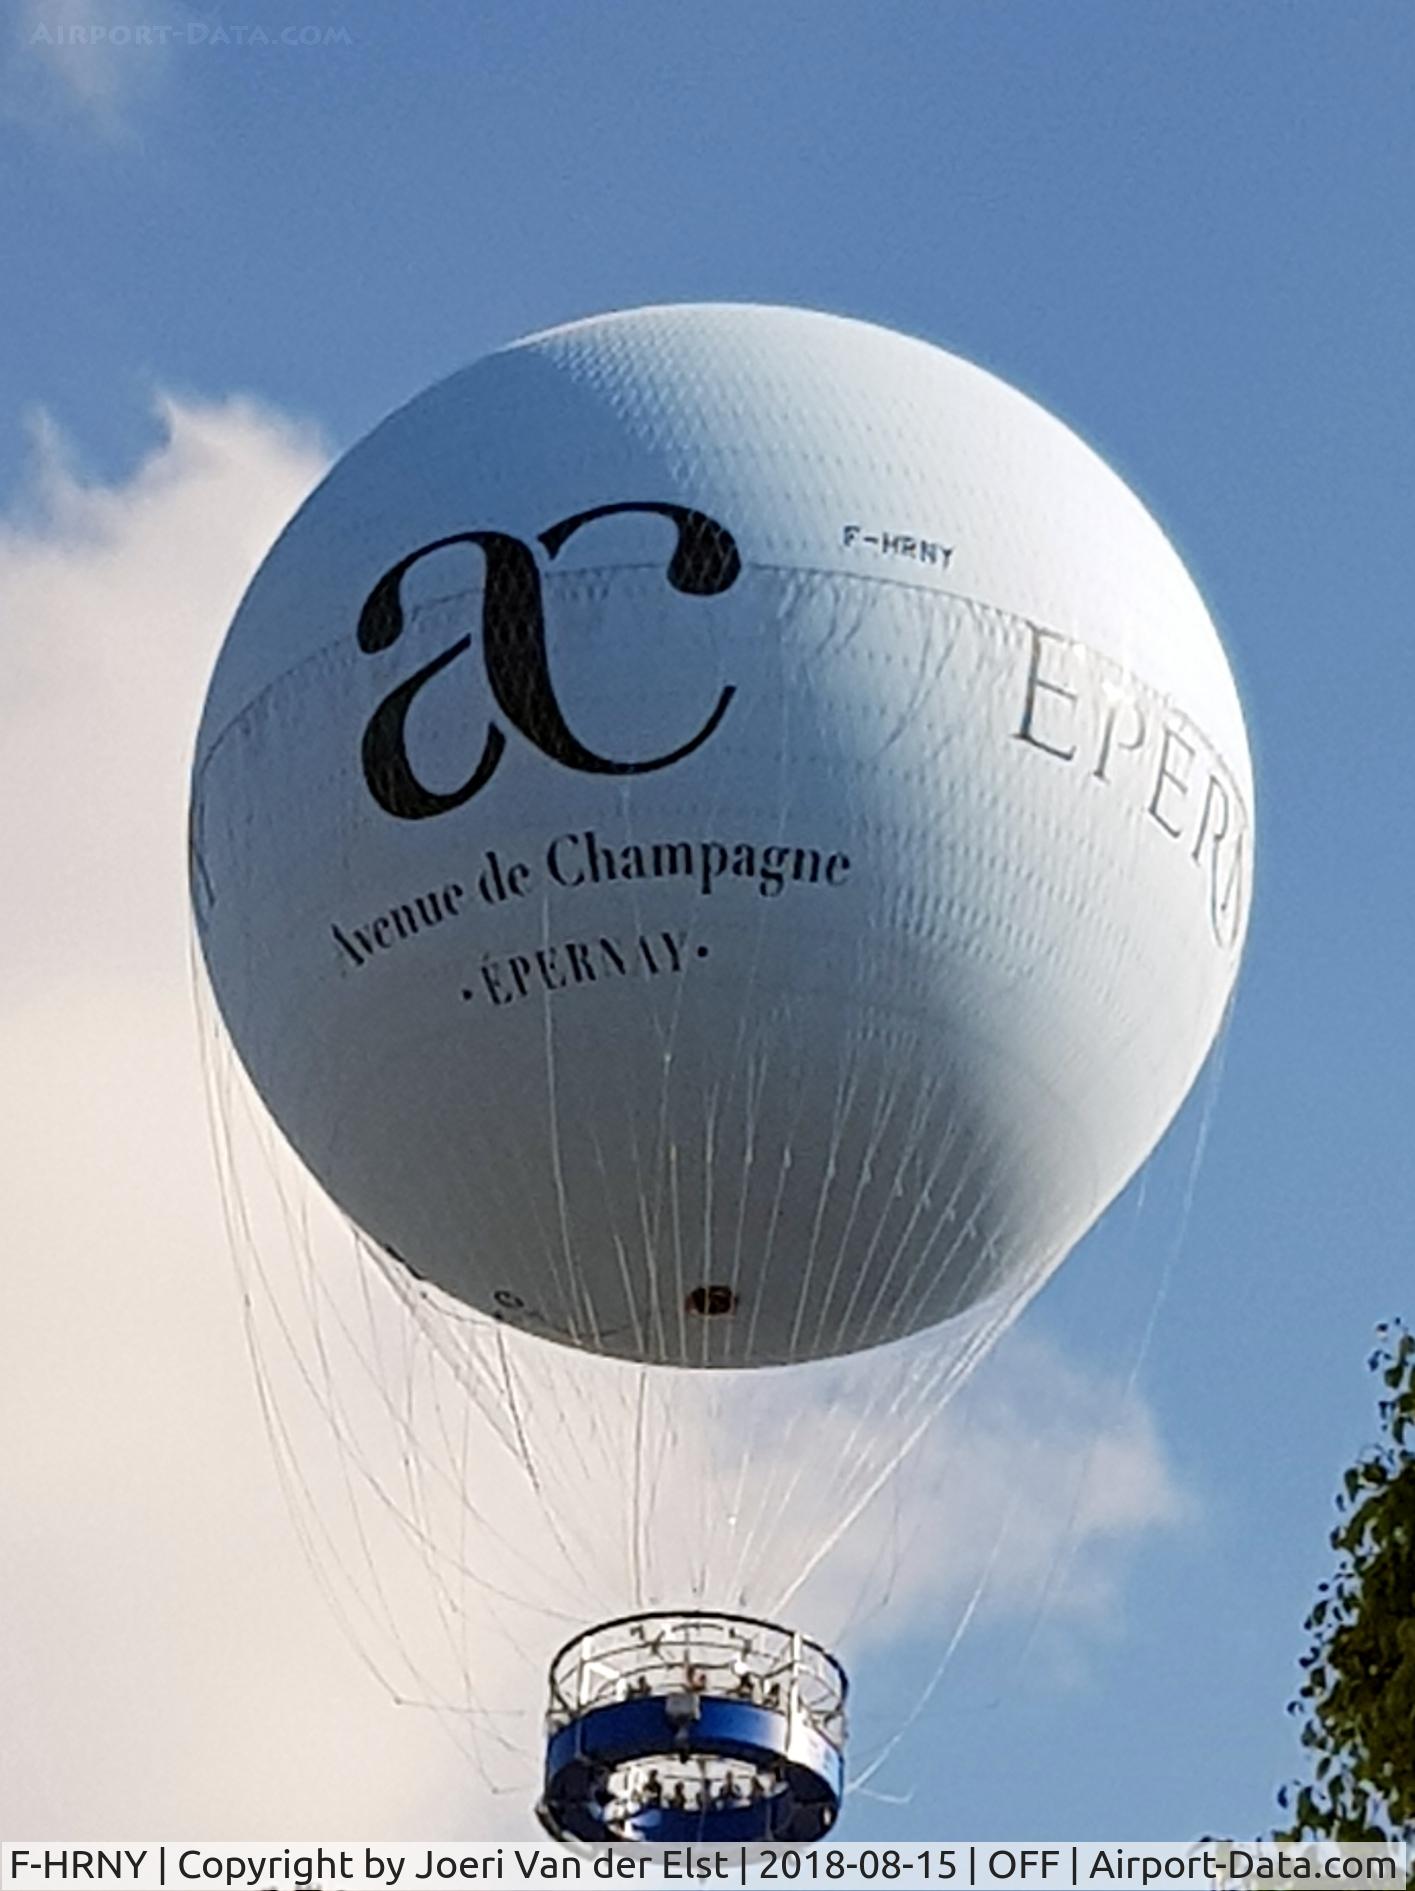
(722, 835)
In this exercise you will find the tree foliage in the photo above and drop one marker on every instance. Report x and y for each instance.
(1357, 1698)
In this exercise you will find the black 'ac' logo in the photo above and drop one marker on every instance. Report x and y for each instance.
(705, 561)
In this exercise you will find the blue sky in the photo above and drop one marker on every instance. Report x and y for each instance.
(1184, 227)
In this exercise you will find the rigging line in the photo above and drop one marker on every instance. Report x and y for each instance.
(886, 1099)
(323, 1557)
(944, 1157)
(576, 1267)
(935, 1681)
(573, 1270)
(887, 1557)
(936, 1385)
(847, 1081)
(301, 1244)
(636, 1515)
(747, 1065)
(400, 1426)
(925, 627)
(449, 1343)
(423, 1370)
(667, 1043)
(775, 1519)
(426, 1305)
(974, 1164)
(460, 1341)
(348, 1443)
(517, 1402)
(856, 1455)
(745, 1075)
(711, 1103)
(333, 1420)
(986, 1252)
(906, 1539)
(870, 1415)
(786, 616)
(515, 1190)
(658, 1447)
(757, 1398)
(767, 1506)
(1063, 1556)
(753, 1083)
(704, 1484)
(937, 1678)
(664, 1152)
(891, 1397)
(708, 1539)
(452, 1613)
(885, 1103)
(1066, 1553)
(904, 1309)
(217, 1075)
(648, 1218)
(667, 1146)
(786, 1470)
(332, 1403)
(303, 1512)
(785, 1163)
(790, 1470)
(455, 1615)
(924, 1099)
(1005, 1316)
(553, 1374)
(468, 1406)
(621, 1252)
(523, 1444)
(846, 1089)
(708, 1171)
(771, 1511)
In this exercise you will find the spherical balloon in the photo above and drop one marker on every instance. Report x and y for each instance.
(722, 835)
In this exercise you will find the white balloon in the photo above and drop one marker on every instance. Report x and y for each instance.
(722, 835)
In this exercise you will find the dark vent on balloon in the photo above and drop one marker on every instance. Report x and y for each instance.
(712, 1302)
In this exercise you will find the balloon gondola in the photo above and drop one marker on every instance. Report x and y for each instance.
(687, 1727)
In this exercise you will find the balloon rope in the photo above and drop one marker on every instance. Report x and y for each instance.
(1066, 1554)
(891, 1746)
(950, 1375)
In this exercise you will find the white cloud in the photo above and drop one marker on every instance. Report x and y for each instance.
(95, 61)
(166, 1663)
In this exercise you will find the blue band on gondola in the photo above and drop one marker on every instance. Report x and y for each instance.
(581, 1757)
